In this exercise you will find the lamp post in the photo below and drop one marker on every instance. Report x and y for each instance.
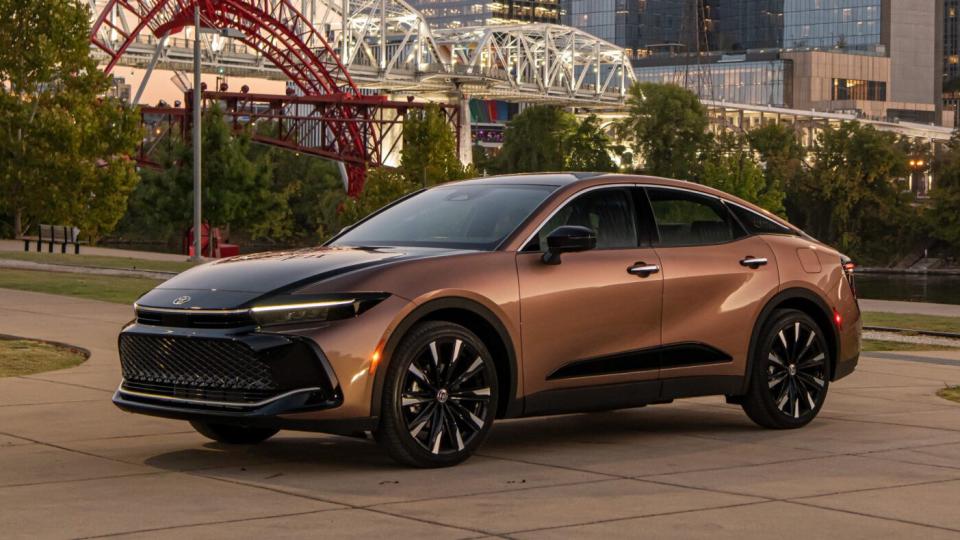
(197, 106)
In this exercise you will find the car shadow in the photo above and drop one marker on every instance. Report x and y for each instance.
(632, 426)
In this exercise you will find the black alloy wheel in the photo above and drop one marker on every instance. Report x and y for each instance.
(440, 396)
(791, 372)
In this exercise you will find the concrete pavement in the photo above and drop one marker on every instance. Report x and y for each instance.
(883, 460)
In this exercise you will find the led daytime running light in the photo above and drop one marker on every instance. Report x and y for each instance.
(307, 305)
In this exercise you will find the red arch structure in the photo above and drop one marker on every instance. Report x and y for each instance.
(278, 31)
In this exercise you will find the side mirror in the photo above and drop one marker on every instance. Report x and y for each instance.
(568, 239)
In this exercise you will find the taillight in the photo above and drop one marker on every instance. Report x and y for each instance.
(848, 268)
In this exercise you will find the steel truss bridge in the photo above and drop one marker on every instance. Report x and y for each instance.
(335, 53)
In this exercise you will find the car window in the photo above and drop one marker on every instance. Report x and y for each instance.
(608, 212)
(473, 216)
(685, 218)
(756, 223)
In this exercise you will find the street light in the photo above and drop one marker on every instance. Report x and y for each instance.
(197, 104)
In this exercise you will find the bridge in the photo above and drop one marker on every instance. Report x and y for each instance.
(380, 45)
(336, 53)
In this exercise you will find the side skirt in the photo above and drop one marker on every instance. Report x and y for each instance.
(627, 395)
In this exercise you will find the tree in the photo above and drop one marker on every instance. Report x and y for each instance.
(943, 217)
(784, 168)
(65, 147)
(667, 126)
(731, 167)
(238, 187)
(589, 148)
(536, 140)
(853, 196)
(429, 154)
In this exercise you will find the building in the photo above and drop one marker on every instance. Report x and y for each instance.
(872, 58)
(463, 13)
(951, 58)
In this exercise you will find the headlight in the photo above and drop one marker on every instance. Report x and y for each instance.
(294, 309)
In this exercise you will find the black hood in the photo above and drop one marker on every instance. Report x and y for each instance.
(233, 282)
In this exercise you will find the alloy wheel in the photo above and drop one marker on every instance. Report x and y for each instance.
(796, 370)
(445, 396)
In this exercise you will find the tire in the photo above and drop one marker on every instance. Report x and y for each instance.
(790, 375)
(439, 397)
(232, 434)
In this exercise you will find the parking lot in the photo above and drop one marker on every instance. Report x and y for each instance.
(882, 460)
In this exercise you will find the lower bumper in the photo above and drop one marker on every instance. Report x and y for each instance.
(846, 367)
(273, 413)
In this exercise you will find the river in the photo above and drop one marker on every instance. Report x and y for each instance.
(939, 289)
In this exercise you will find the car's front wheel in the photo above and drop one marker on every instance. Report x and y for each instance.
(439, 398)
(232, 434)
(791, 372)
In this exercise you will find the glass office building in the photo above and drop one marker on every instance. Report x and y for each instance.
(827, 24)
(758, 82)
(737, 25)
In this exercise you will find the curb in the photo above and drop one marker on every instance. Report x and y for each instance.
(931, 333)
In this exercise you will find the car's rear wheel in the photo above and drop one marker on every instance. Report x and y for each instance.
(439, 398)
(790, 374)
(232, 434)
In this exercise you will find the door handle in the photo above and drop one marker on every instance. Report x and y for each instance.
(753, 262)
(643, 269)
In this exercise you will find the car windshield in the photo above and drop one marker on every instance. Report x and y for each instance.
(457, 216)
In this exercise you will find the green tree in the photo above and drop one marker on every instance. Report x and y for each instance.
(64, 145)
(537, 140)
(239, 191)
(732, 168)
(429, 154)
(943, 216)
(589, 148)
(667, 126)
(784, 168)
(854, 197)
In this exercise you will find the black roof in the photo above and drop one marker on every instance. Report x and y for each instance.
(542, 179)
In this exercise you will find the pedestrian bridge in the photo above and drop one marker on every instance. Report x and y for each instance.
(377, 45)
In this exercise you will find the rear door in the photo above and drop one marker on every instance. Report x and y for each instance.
(591, 320)
(716, 280)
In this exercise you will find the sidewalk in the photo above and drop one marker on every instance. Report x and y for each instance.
(916, 308)
(881, 461)
(17, 245)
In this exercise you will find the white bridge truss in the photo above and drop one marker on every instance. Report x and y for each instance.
(386, 46)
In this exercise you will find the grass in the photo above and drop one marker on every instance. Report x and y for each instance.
(912, 322)
(26, 356)
(100, 261)
(876, 345)
(951, 392)
(122, 290)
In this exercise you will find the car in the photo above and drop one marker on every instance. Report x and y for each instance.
(494, 298)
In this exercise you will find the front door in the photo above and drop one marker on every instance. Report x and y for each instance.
(593, 319)
(715, 281)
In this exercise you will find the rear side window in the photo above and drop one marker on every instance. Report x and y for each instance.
(756, 223)
(689, 219)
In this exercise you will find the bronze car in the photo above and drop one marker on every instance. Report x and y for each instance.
(500, 297)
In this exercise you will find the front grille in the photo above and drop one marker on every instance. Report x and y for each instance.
(186, 319)
(198, 365)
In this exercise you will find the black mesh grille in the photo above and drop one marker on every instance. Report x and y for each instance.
(195, 364)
